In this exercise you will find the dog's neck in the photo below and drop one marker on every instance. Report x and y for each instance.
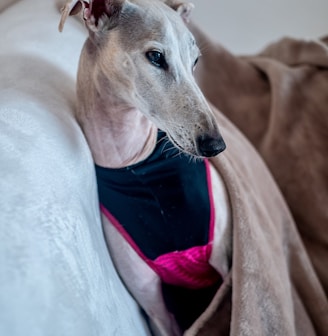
(118, 136)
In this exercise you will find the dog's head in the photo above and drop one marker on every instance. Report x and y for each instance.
(144, 55)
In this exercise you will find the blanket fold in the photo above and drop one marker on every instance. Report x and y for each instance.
(279, 100)
(278, 274)
(275, 290)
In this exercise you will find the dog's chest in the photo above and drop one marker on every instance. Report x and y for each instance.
(162, 203)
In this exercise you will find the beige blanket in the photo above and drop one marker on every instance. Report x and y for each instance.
(278, 99)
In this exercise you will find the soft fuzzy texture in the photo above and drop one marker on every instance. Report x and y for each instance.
(279, 100)
(272, 288)
(6, 3)
(56, 276)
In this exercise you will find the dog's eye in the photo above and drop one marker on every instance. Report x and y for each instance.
(196, 61)
(157, 58)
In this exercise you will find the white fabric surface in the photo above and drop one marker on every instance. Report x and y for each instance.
(56, 277)
(6, 3)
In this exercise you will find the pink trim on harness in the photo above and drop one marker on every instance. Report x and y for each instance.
(189, 268)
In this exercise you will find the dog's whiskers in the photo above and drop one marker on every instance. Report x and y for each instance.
(167, 143)
(171, 148)
(178, 154)
(204, 47)
(162, 139)
(194, 159)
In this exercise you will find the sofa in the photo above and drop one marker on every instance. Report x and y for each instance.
(56, 274)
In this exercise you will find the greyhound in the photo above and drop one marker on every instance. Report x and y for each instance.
(136, 96)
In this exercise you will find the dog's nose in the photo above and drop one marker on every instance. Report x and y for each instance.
(208, 146)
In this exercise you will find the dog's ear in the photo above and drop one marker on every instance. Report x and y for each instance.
(183, 8)
(98, 14)
(72, 7)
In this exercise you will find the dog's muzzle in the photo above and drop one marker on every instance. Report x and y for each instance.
(209, 146)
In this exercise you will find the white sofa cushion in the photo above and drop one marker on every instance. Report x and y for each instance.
(56, 276)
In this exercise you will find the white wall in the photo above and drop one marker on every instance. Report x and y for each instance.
(246, 26)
